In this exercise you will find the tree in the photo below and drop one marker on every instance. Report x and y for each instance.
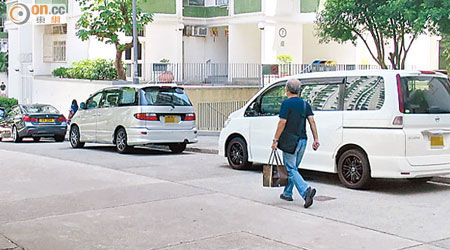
(106, 20)
(382, 25)
(445, 51)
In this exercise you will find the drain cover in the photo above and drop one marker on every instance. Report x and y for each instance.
(323, 198)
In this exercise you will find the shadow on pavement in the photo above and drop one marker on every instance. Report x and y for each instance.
(137, 151)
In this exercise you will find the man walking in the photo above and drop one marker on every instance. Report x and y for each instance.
(293, 114)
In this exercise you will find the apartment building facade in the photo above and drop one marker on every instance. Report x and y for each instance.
(194, 36)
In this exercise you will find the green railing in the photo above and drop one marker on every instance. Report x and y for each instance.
(309, 6)
(205, 12)
(247, 6)
(159, 6)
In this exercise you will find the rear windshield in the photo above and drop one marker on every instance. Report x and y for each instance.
(426, 95)
(40, 109)
(164, 97)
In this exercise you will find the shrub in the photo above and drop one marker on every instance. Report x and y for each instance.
(8, 103)
(60, 72)
(284, 59)
(98, 69)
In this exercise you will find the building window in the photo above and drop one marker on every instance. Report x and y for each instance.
(129, 57)
(59, 51)
(193, 2)
(54, 41)
(222, 2)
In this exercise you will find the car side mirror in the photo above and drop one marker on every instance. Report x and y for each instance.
(83, 105)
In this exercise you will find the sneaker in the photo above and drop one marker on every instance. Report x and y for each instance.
(285, 198)
(309, 196)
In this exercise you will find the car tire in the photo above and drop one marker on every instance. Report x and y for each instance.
(237, 154)
(121, 141)
(354, 169)
(177, 148)
(36, 139)
(60, 138)
(15, 135)
(74, 137)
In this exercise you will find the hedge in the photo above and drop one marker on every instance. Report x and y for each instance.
(98, 69)
(8, 103)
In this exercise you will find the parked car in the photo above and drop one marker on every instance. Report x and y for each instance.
(371, 124)
(33, 121)
(2, 113)
(130, 116)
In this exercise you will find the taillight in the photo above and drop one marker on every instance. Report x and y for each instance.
(29, 119)
(190, 117)
(61, 119)
(398, 120)
(401, 105)
(146, 116)
(426, 72)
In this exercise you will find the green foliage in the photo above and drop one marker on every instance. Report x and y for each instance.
(2, 8)
(164, 60)
(445, 51)
(8, 103)
(284, 59)
(60, 72)
(382, 22)
(98, 69)
(106, 20)
(3, 62)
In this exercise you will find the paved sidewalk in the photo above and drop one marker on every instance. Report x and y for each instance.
(207, 143)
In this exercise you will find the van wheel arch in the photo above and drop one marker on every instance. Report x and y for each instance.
(357, 152)
(115, 133)
(231, 137)
(346, 148)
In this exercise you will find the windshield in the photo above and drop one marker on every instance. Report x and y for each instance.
(40, 109)
(426, 95)
(165, 97)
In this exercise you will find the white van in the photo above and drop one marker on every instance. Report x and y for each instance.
(371, 124)
(130, 116)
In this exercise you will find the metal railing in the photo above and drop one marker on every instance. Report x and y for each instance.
(240, 74)
(212, 115)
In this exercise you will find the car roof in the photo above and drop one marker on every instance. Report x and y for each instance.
(142, 86)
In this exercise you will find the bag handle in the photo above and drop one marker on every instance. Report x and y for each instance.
(275, 157)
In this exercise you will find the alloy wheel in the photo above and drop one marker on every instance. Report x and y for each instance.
(352, 169)
(237, 154)
(121, 141)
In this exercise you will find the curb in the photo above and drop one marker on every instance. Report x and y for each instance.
(208, 133)
(203, 150)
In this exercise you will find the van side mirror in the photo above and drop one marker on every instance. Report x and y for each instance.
(83, 105)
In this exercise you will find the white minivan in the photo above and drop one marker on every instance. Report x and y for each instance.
(130, 116)
(371, 124)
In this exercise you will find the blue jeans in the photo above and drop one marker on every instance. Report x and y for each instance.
(292, 161)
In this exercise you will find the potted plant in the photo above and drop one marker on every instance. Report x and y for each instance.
(166, 76)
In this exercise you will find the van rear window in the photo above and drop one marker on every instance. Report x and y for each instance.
(164, 97)
(425, 95)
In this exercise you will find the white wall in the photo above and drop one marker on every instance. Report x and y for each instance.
(13, 64)
(163, 41)
(312, 50)
(274, 45)
(202, 49)
(244, 43)
(60, 92)
(281, 7)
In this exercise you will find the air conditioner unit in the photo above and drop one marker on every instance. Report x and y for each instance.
(201, 31)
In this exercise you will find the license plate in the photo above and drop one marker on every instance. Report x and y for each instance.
(46, 120)
(437, 141)
(171, 119)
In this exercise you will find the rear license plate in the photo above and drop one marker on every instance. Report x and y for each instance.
(170, 119)
(437, 141)
(46, 120)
